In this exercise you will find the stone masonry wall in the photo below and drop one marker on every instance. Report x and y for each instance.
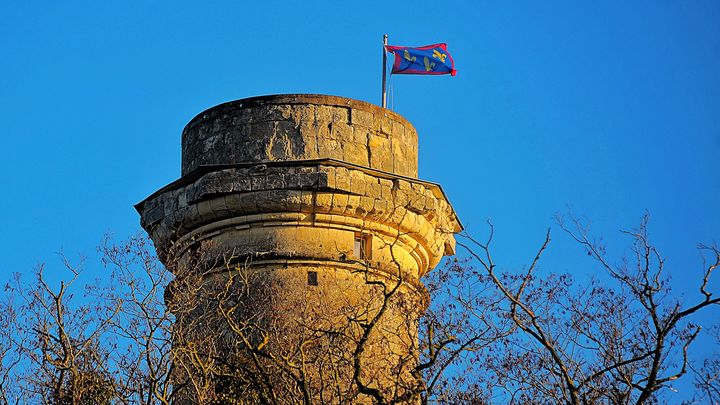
(299, 127)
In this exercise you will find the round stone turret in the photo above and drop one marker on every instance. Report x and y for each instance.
(300, 127)
(317, 198)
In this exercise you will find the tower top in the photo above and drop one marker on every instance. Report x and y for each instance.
(293, 127)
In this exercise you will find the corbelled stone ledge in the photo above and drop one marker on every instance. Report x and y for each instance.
(332, 193)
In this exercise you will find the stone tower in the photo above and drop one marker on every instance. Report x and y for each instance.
(306, 229)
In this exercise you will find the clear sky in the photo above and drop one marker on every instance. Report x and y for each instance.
(611, 107)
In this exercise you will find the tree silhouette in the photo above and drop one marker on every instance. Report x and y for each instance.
(486, 334)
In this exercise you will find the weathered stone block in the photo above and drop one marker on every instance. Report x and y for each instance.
(359, 182)
(361, 135)
(363, 118)
(386, 187)
(170, 203)
(403, 185)
(307, 203)
(400, 198)
(342, 179)
(194, 193)
(380, 208)
(330, 149)
(191, 217)
(233, 204)
(182, 198)
(365, 206)
(205, 210)
(294, 200)
(304, 113)
(398, 129)
(409, 222)
(323, 202)
(286, 142)
(380, 154)
(339, 202)
(356, 153)
(352, 204)
(386, 125)
(258, 182)
(217, 205)
(274, 112)
(248, 203)
(374, 189)
(325, 114)
(342, 132)
(417, 202)
(153, 214)
(292, 180)
(430, 203)
(272, 201)
(260, 143)
(275, 181)
(396, 215)
(240, 182)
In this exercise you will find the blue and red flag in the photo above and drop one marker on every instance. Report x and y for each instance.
(425, 60)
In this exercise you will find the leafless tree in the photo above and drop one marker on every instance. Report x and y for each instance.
(59, 353)
(707, 374)
(622, 338)
(11, 344)
(143, 359)
(213, 331)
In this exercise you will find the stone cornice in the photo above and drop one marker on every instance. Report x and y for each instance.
(201, 171)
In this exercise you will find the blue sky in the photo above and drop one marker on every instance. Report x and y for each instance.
(611, 108)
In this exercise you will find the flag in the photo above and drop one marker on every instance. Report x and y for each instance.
(425, 60)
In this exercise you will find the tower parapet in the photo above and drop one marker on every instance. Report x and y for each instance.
(318, 197)
(301, 127)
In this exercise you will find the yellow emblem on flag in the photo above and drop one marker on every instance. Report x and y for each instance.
(429, 66)
(407, 56)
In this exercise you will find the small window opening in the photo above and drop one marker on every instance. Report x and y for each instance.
(312, 278)
(362, 247)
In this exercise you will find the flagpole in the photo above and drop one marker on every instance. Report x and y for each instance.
(384, 72)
